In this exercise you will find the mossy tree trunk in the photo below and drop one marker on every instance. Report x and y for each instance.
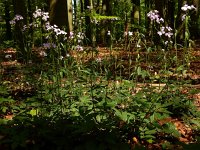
(135, 14)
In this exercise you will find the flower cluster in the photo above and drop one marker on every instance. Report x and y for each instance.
(154, 16)
(55, 29)
(186, 7)
(167, 31)
(49, 45)
(71, 35)
(39, 13)
(80, 36)
(15, 19)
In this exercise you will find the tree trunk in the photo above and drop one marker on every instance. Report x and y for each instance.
(195, 25)
(81, 2)
(58, 13)
(7, 19)
(69, 16)
(87, 6)
(20, 9)
(135, 14)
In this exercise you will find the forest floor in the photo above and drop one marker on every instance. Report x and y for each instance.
(11, 73)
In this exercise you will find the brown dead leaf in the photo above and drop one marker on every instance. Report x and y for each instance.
(9, 117)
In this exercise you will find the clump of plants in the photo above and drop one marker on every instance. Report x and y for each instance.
(89, 104)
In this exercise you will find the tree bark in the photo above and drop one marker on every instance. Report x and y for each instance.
(69, 16)
(87, 4)
(135, 14)
(58, 13)
(7, 19)
(20, 9)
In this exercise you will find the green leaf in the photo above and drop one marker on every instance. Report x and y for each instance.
(180, 68)
(196, 122)
(111, 104)
(33, 112)
(150, 141)
(4, 109)
(121, 115)
(150, 131)
(139, 70)
(98, 118)
(2, 100)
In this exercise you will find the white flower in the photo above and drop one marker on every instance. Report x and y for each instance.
(16, 18)
(153, 15)
(37, 13)
(108, 33)
(12, 22)
(186, 7)
(130, 33)
(159, 33)
(61, 57)
(192, 7)
(71, 35)
(159, 20)
(183, 17)
(55, 26)
(165, 31)
(168, 28)
(45, 18)
(169, 34)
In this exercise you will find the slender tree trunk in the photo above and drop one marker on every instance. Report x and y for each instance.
(75, 9)
(69, 16)
(20, 9)
(159, 5)
(87, 6)
(195, 17)
(82, 6)
(171, 12)
(30, 14)
(7, 18)
(135, 14)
